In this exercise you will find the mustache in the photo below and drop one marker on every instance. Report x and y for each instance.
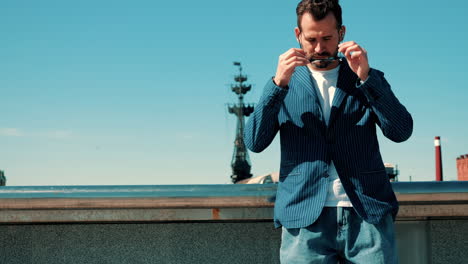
(329, 57)
(323, 54)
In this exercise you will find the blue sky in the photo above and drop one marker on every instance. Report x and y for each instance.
(135, 92)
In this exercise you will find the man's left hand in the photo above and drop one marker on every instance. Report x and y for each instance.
(356, 57)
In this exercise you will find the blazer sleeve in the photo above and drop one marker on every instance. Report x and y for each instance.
(394, 120)
(262, 126)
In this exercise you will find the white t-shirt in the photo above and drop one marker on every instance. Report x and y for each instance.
(325, 84)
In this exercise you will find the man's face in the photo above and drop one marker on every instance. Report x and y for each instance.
(319, 39)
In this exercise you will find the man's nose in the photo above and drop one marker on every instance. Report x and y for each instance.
(319, 48)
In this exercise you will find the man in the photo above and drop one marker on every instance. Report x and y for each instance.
(334, 199)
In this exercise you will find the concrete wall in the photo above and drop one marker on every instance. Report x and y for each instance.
(171, 243)
(435, 241)
(199, 224)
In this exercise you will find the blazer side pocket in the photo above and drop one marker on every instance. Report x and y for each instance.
(290, 179)
(374, 183)
(289, 169)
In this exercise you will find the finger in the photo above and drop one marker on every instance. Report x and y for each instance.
(296, 61)
(343, 49)
(345, 45)
(353, 51)
(292, 64)
(351, 46)
(291, 54)
(295, 52)
(295, 64)
(292, 51)
(356, 54)
(350, 49)
(300, 51)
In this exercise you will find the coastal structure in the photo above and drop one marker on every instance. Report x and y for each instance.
(240, 163)
(2, 178)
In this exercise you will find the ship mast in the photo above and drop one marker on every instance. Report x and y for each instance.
(240, 159)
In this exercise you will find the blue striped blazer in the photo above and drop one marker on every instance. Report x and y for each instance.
(308, 145)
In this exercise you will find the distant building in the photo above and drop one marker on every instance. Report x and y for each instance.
(392, 171)
(2, 178)
(462, 168)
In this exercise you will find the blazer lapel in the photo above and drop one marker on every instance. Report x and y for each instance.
(303, 77)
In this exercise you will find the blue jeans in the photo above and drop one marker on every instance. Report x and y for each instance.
(340, 236)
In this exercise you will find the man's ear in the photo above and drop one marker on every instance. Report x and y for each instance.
(342, 33)
(297, 32)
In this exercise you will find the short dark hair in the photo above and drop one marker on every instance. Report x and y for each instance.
(319, 9)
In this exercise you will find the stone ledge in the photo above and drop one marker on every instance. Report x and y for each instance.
(75, 204)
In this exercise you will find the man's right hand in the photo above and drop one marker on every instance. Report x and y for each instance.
(287, 62)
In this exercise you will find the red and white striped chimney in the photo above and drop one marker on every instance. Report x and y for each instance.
(438, 159)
